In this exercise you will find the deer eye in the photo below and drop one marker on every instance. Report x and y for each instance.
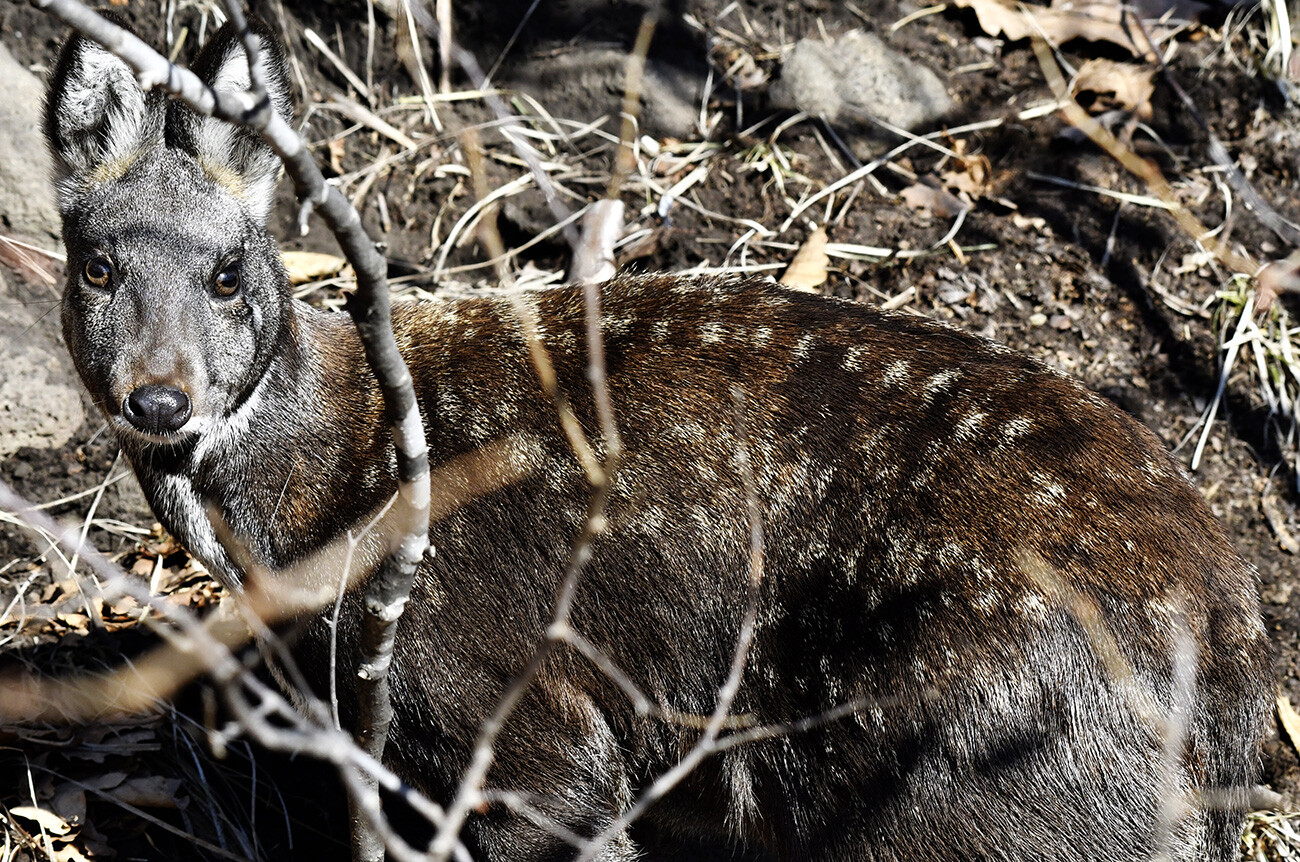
(226, 282)
(98, 271)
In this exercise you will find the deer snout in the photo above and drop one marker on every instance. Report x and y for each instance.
(156, 409)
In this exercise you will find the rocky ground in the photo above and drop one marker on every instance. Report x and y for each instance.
(1010, 224)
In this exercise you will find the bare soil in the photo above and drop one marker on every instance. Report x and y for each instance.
(1109, 291)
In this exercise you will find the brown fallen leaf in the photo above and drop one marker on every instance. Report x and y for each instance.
(104, 781)
(149, 792)
(69, 802)
(47, 820)
(932, 199)
(75, 621)
(807, 271)
(969, 175)
(1116, 85)
(304, 266)
(337, 148)
(1059, 23)
(69, 853)
(1286, 714)
(1279, 277)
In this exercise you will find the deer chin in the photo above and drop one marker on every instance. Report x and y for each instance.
(187, 433)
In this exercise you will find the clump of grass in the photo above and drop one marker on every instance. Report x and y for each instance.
(1269, 344)
(1271, 835)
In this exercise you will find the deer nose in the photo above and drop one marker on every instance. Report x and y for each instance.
(156, 409)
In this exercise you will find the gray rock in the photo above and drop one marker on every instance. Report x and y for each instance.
(40, 397)
(856, 77)
(26, 197)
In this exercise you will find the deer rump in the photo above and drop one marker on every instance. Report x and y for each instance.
(936, 512)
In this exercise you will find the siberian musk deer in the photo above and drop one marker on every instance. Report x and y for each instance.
(914, 482)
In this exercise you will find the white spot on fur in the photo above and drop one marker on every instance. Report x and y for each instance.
(614, 326)
(556, 473)
(803, 345)
(711, 333)
(952, 555)
(969, 426)
(564, 339)
(651, 520)
(939, 382)
(1032, 605)
(1016, 428)
(855, 358)
(762, 335)
(691, 432)
(449, 406)
(896, 373)
(870, 442)
(922, 478)
(1047, 490)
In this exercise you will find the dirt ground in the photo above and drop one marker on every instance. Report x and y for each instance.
(1100, 284)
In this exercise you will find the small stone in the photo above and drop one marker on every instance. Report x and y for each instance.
(857, 77)
(1037, 319)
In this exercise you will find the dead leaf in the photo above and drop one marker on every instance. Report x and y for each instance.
(69, 853)
(1061, 22)
(149, 792)
(106, 781)
(122, 606)
(337, 147)
(1286, 714)
(75, 621)
(969, 175)
(1116, 85)
(304, 266)
(807, 270)
(69, 802)
(932, 199)
(48, 820)
(1279, 277)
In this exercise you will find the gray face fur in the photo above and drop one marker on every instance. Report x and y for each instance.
(161, 209)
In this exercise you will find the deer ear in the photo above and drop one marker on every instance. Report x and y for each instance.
(233, 157)
(98, 121)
